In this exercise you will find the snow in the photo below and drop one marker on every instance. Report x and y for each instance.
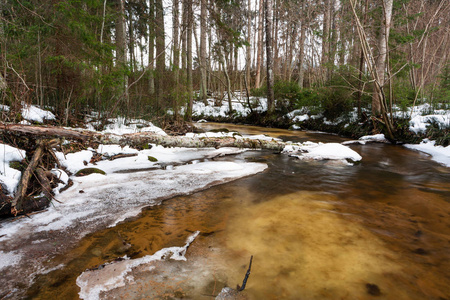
(61, 175)
(122, 125)
(99, 201)
(376, 138)
(439, 154)
(74, 162)
(105, 198)
(9, 177)
(35, 114)
(9, 259)
(420, 123)
(115, 274)
(240, 107)
(321, 151)
(211, 134)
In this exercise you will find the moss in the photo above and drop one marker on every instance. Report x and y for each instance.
(89, 171)
(17, 165)
(152, 159)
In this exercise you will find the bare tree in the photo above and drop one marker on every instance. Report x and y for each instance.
(248, 57)
(3, 84)
(268, 5)
(121, 46)
(160, 49)
(260, 44)
(203, 64)
(176, 53)
(151, 47)
(190, 25)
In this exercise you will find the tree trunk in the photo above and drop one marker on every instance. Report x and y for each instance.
(160, 50)
(203, 29)
(184, 29)
(151, 48)
(248, 59)
(326, 38)
(190, 22)
(260, 44)
(176, 55)
(301, 54)
(269, 56)
(121, 46)
(380, 66)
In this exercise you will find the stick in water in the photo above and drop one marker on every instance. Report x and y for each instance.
(241, 288)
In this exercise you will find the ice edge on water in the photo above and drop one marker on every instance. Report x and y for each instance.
(114, 275)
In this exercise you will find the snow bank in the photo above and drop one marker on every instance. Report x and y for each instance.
(210, 134)
(105, 198)
(240, 107)
(376, 138)
(113, 275)
(320, 151)
(122, 125)
(9, 177)
(439, 154)
(35, 114)
(74, 162)
(233, 134)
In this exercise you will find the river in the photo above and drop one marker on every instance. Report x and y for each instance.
(316, 230)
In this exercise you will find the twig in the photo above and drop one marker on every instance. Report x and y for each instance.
(241, 288)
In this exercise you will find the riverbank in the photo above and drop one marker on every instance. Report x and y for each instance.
(412, 125)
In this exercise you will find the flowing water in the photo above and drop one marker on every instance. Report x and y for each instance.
(316, 230)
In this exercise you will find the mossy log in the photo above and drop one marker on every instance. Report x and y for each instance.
(137, 140)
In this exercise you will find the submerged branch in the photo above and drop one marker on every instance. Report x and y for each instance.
(241, 288)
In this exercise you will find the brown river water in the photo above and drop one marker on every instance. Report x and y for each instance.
(316, 230)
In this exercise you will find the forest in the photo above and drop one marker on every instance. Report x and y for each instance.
(160, 149)
(154, 59)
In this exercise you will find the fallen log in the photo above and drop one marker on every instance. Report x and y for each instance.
(43, 131)
(138, 140)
